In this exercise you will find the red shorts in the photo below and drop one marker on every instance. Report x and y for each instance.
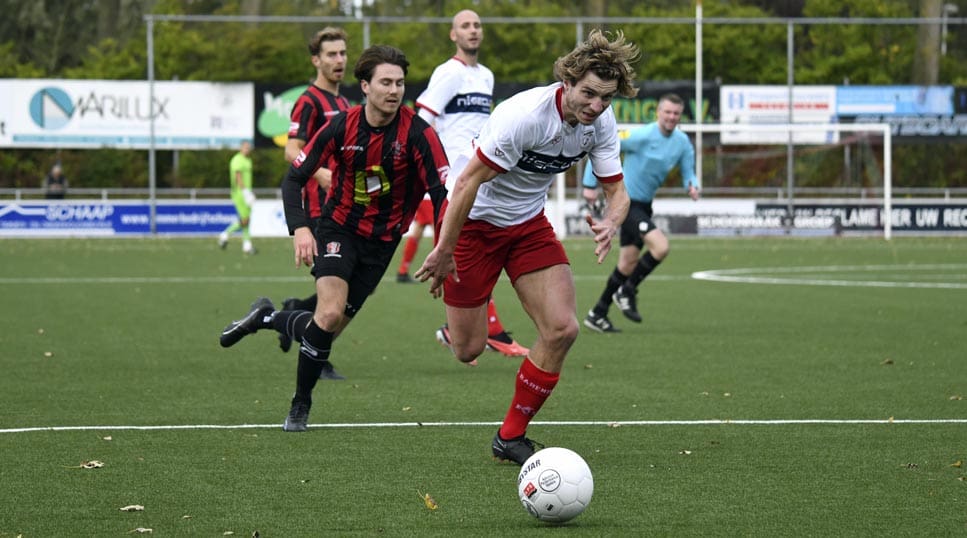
(483, 250)
(424, 213)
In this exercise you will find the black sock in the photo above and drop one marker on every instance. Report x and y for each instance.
(614, 282)
(646, 264)
(292, 323)
(313, 354)
(309, 303)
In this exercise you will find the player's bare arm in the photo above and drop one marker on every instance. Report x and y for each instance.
(439, 263)
(292, 148)
(607, 227)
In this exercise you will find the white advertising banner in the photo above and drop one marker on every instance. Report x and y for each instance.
(770, 105)
(49, 113)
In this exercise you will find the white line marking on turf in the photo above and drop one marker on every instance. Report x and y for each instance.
(225, 279)
(747, 275)
(611, 423)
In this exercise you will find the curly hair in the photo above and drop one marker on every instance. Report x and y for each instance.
(608, 59)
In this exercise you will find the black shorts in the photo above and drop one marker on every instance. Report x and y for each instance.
(359, 261)
(637, 224)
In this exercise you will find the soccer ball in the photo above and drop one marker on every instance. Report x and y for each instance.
(555, 484)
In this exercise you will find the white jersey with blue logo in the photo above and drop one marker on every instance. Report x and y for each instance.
(528, 142)
(460, 97)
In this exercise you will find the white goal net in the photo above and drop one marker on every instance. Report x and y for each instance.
(797, 162)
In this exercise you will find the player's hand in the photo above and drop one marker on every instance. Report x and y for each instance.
(693, 192)
(436, 267)
(603, 232)
(323, 177)
(305, 247)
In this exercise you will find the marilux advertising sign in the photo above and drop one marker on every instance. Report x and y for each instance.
(118, 114)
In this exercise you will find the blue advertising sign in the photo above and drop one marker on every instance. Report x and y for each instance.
(894, 100)
(92, 218)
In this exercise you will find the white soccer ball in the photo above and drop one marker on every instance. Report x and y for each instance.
(555, 484)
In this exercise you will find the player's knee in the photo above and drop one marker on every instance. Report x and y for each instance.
(561, 333)
(328, 319)
(468, 352)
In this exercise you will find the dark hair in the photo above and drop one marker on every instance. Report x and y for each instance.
(329, 33)
(377, 55)
(672, 98)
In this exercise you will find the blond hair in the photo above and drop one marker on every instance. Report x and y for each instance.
(608, 59)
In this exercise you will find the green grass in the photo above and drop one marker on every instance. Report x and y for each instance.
(106, 333)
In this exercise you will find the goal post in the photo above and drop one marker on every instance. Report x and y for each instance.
(800, 134)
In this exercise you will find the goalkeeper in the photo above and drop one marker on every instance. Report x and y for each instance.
(240, 172)
(650, 152)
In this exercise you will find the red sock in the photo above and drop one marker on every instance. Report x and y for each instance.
(409, 252)
(494, 327)
(534, 386)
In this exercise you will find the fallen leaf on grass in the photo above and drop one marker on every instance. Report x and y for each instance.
(48, 354)
(141, 530)
(93, 464)
(957, 464)
(956, 397)
(428, 501)
(685, 452)
(407, 408)
(887, 362)
(132, 508)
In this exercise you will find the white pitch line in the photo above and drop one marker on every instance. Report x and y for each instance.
(609, 423)
(746, 275)
(223, 279)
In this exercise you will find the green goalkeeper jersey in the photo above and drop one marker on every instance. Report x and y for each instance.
(243, 164)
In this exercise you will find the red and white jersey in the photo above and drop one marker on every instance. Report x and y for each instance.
(460, 97)
(528, 142)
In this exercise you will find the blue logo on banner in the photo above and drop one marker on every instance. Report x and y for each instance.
(51, 108)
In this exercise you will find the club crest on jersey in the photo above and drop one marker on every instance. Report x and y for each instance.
(297, 162)
(586, 137)
(396, 150)
(332, 250)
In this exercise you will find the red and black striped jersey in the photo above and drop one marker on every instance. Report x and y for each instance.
(314, 108)
(379, 174)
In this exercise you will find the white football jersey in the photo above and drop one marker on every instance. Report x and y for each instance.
(460, 97)
(528, 142)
